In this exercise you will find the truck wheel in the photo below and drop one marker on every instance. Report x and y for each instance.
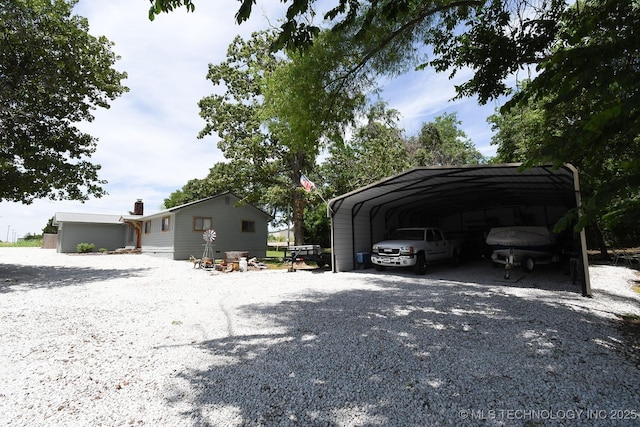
(421, 265)
(320, 263)
(528, 264)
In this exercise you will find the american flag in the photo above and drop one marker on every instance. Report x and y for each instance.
(306, 183)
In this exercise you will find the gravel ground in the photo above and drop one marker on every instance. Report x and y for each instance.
(110, 340)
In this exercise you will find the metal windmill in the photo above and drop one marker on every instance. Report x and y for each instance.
(209, 237)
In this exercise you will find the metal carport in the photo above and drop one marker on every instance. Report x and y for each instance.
(467, 200)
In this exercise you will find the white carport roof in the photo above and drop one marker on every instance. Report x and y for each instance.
(444, 191)
(452, 189)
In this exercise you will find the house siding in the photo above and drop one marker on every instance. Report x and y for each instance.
(227, 222)
(108, 236)
(180, 240)
(159, 242)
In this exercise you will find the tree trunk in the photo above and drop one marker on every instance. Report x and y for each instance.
(298, 216)
(299, 200)
(604, 255)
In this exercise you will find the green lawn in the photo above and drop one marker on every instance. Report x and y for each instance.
(275, 254)
(22, 244)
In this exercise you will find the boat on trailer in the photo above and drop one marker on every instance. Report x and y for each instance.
(522, 245)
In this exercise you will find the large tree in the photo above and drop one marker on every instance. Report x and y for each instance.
(375, 151)
(234, 113)
(442, 142)
(274, 114)
(517, 130)
(307, 108)
(379, 148)
(53, 75)
(584, 107)
(493, 37)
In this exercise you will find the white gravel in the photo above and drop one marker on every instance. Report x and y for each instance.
(111, 340)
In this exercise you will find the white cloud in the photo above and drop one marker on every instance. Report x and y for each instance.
(421, 96)
(148, 144)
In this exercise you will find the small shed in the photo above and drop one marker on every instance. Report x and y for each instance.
(177, 233)
(464, 201)
(103, 231)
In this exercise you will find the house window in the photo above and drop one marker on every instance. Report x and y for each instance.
(248, 226)
(165, 223)
(147, 227)
(201, 224)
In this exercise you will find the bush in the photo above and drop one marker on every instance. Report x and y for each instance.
(621, 226)
(83, 248)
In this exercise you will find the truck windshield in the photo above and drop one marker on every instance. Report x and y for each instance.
(409, 235)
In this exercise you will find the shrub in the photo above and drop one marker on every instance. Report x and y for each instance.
(85, 247)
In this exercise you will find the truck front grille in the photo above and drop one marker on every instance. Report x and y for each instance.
(388, 251)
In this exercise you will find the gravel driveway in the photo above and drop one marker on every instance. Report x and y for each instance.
(112, 340)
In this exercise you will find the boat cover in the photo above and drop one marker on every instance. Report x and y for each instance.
(520, 236)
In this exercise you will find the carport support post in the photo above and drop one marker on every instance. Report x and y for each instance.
(586, 283)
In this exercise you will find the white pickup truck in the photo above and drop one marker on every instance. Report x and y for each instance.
(415, 247)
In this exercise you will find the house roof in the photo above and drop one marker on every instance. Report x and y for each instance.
(177, 208)
(86, 218)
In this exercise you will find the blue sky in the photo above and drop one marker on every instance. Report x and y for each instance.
(147, 140)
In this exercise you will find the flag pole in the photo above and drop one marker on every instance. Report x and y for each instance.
(309, 186)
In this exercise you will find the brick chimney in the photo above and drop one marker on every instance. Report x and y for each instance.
(138, 207)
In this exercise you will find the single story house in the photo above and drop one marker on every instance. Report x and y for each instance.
(175, 233)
